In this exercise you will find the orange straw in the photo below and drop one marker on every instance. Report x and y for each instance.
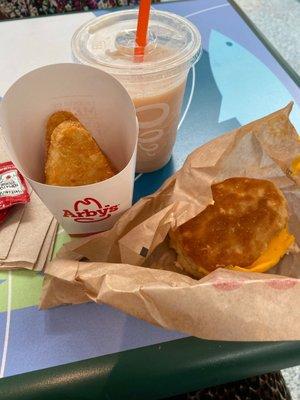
(142, 29)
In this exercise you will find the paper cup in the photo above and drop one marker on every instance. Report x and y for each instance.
(104, 107)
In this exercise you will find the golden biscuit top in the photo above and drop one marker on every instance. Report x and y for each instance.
(237, 228)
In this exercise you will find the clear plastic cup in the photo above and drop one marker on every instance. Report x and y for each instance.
(155, 82)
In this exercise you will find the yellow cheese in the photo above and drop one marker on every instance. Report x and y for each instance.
(276, 249)
(295, 166)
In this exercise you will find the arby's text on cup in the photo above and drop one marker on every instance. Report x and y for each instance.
(90, 210)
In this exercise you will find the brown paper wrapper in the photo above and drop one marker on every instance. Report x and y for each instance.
(133, 268)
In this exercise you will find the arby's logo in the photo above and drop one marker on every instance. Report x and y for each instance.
(90, 210)
(150, 132)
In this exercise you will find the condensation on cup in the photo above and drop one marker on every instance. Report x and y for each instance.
(155, 82)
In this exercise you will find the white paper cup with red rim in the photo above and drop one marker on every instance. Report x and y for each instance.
(104, 107)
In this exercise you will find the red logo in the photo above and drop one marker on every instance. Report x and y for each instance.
(90, 210)
(282, 284)
(227, 284)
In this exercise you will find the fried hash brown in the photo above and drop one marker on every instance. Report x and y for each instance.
(74, 158)
(234, 231)
(53, 121)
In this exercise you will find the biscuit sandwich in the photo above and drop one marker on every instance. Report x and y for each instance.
(246, 229)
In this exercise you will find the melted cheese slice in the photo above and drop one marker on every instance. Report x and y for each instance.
(276, 249)
(295, 166)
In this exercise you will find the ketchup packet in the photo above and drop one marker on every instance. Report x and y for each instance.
(13, 188)
(3, 214)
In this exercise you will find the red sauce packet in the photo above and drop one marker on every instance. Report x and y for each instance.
(3, 214)
(13, 188)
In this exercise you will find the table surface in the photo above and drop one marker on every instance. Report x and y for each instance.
(278, 21)
(237, 80)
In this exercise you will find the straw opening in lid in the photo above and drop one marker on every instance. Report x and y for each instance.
(177, 43)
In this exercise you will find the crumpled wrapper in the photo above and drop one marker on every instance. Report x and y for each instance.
(131, 267)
